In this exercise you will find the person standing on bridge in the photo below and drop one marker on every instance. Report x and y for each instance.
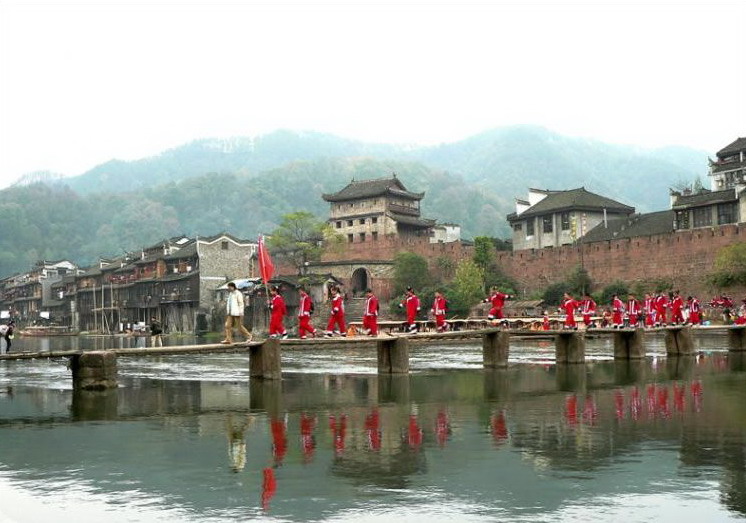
(695, 309)
(155, 333)
(588, 309)
(6, 333)
(277, 315)
(305, 309)
(336, 324)
(234, 314)
(633, 309)
(411, 304)
(677, 309)
(370, 314)
(617, 312)
(440, 306)
(661, 304)
(569, 305)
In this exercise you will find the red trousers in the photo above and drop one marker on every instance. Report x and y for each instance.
(304, 326)
(496, 313)
(570, 320)
(676, 316)
(440, 322)
(275, 324)
(370, 323)
(694, 318)
(616, 318)
(661, 316)
(338, 319)
(587, 319)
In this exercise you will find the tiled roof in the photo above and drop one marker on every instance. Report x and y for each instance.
(705, 198)
(411, 220)
(371, 188)
(185, 252)
(579, 199)
(737, 146)
(660, 222)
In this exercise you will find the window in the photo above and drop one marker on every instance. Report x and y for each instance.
(517, 227)
(530, 227)
(375, 235)
(727, 213)
(374, 219)
(224, 246)
(350, 238)
(362, 236)
(362, 221)
(349, 223)
(682, 220)
(547, 223)
(702, 217)
(565, 221)
(339, 225)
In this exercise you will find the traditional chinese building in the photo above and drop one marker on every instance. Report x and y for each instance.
(555, 218)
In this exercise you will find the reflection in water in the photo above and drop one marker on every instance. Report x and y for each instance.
(581, 435)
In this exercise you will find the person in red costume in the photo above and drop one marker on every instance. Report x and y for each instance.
(439, 308)
(277, 306)
(695, 310)
(411, 305)
(337, 316)
(497, 299)
(568, 306)
(634, 309)
(677, 309)
(661, 304)
(305, 309)
(617, 311)
(648, 309)
(370, 314)
(588, 309)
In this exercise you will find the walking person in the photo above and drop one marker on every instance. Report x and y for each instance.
(155, 333)
(677, 309)
(440, 306)
(305, 309)
(648, 310)
(411, 304)
(336, 324)
(661, 304)
(633, 309)
(234, 315)
(370, 314)
(6, 333)
(277, 314)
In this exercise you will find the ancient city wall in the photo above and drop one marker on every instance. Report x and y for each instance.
(682, 258)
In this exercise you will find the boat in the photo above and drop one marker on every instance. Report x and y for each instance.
(47, 330)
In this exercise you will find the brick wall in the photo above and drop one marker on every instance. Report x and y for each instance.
(684, 258)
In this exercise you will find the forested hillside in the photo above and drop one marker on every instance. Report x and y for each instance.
(243, 186)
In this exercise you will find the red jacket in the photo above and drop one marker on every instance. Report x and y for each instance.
(617, 305)
(569, 306)
(371, 306)
(440, 306)
(338, 304)
(411, 303)
(305, 306)
(497, 299)
(278, 305)
(588, 307)
(677, 304)
(633, 307)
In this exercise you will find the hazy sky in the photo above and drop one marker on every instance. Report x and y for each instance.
(86, 81)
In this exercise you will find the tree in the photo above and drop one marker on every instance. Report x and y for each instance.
(299, 239)
(484, 251)
(579, 282)
(730, 265)
(410, 270)
(467, 287)
(618, 287)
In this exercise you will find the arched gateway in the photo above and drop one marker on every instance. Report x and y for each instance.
(359, 281)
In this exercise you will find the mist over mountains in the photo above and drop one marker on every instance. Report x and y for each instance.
(244, 185)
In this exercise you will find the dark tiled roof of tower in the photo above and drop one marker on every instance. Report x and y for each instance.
(648, 224)
(737, 146)
(573, 199)
(705, 198)
(371, 188)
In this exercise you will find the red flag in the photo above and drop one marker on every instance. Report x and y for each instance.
(266, 269)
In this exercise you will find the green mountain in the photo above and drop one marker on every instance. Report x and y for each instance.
(243, 186)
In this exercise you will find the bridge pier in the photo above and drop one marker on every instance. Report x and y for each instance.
(629, 345)
(495, 349)
(570, 347)
(737, 339)
(393, 355)
(679, 341)
(95, 370)
(264, 360)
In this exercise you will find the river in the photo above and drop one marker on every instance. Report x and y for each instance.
(191, 438)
